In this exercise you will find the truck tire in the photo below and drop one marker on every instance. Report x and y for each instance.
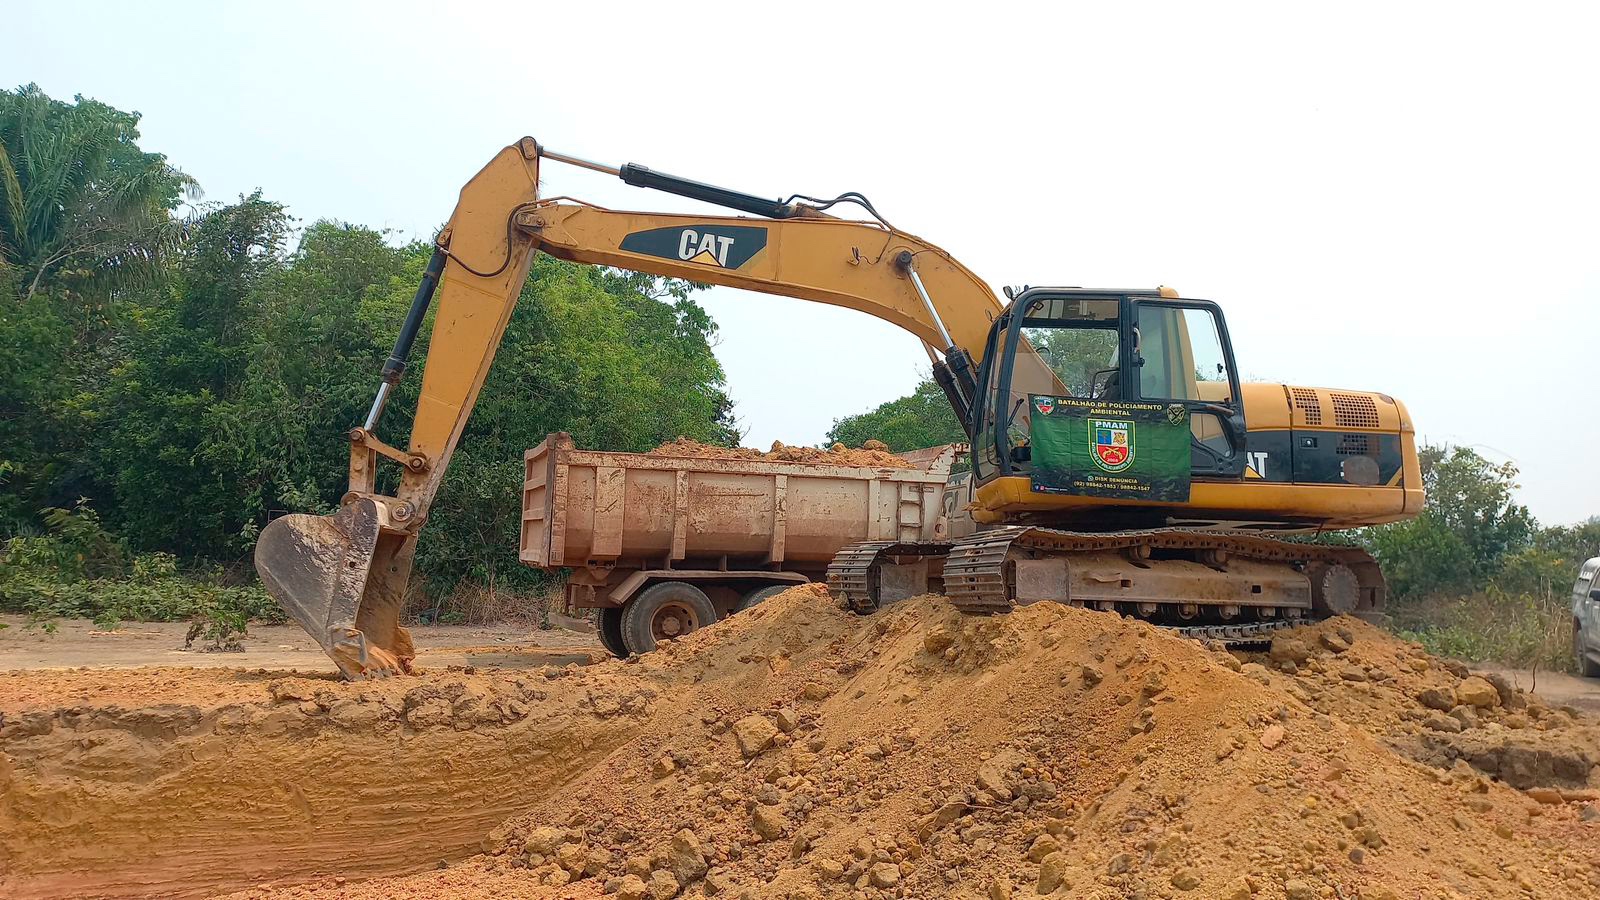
(662, 611)
(761, 593)
(609, 626)
(1587, 667)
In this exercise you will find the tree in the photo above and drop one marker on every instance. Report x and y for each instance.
(922, 419)
(1468, 528)
(1572, 544)
(183, 445)
(80, 203)
(1476, 500)
(85, 216)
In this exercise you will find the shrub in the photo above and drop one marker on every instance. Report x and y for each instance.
(77, 569)
(1515, 629)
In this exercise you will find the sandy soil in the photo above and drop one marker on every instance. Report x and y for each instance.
(798, 751)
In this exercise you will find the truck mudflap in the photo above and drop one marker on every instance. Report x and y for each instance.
(1221, 586)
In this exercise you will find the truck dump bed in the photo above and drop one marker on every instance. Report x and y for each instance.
(587, 508)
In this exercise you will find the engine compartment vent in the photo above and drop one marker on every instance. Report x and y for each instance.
(1309, 405)
(1354, 410)
(1355, 445)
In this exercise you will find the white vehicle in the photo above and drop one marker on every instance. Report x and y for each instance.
(1586, 619)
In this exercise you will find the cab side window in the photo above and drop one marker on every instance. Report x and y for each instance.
(1182, 355)
(1181, 358)
(1586, 581)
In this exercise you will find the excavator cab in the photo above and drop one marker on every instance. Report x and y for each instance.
(1098, 349)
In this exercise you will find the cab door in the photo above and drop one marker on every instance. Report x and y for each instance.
(1181, 354)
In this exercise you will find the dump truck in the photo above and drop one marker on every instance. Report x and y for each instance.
(662, 544)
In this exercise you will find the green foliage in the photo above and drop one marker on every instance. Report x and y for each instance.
(922, 419)
(184, 443)
(1470, 526)
(198, 376)
(1421, 557)
(1083, 358)
(79, 570)
(1474, 577)
(1516, 629)
(1475, 500)
(80, 204)
(1535, 572)
(1572, 544)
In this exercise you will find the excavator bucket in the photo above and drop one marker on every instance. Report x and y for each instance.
(343, 579)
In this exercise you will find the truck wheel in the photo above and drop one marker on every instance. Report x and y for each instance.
(664, 611)
(609, 627)
(762, 593)
(1587, 667)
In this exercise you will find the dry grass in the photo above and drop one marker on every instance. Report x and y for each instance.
(1520, 630)
(477, 604)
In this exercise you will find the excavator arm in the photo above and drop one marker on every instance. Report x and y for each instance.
(343, 577)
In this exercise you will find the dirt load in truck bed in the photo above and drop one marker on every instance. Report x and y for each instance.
(798, 751)
(838, 455)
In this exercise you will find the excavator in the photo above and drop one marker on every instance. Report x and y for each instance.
(1117, 460)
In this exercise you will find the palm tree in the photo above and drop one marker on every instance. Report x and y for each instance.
(80, 204)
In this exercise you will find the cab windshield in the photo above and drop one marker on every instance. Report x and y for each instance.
(1076, 340)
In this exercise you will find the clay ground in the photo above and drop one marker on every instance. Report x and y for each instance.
(795, 752)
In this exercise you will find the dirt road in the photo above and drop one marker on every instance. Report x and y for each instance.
(76, 642)
(1557, 688)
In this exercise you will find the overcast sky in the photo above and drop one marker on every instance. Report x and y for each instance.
(1394, 197)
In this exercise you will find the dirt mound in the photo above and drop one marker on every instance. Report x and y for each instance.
(807, 753)
(874, 455)
(1435, 710)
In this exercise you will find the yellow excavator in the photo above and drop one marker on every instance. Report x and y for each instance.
(1117, 460)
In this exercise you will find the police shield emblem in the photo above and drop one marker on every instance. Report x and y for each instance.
(1111, 443)
(1044, 405)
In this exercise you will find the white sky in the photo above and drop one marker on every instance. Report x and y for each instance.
(1396, 197)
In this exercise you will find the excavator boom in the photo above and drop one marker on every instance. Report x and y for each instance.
(344, 577)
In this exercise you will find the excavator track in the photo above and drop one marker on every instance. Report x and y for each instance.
(852, 573)
(979, 575)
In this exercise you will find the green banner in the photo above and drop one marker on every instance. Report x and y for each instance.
(1096, 448)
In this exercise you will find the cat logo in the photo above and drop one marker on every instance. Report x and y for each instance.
(705, 248)
(718, 246)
